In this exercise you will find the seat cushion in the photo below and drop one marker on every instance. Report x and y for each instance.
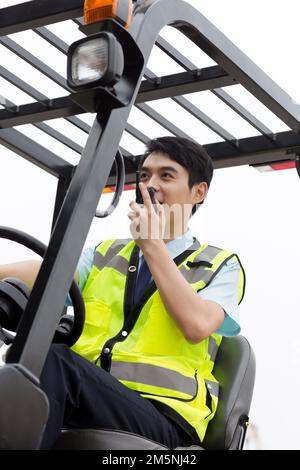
(104, 439)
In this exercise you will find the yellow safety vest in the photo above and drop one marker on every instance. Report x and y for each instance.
(141, 345)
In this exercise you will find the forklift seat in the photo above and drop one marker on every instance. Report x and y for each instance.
(235, 371)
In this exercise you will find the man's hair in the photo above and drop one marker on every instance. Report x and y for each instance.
(192, 156)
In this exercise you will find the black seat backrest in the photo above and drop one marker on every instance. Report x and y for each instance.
(235, 371)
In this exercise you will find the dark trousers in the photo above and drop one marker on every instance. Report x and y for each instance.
(84, 396)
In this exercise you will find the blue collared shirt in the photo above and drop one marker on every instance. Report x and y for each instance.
(223, 289)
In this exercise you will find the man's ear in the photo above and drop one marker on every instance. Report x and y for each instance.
(200, 192)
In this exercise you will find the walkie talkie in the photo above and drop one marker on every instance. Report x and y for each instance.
(138, 194)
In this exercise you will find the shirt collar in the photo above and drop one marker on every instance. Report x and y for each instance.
(178, 245)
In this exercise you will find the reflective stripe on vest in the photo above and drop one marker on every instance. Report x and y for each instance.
(154, 375)
(192, 275)
(100, 261)
(212, 348)
(213, 387)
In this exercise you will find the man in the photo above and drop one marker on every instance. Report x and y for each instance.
(144, 362)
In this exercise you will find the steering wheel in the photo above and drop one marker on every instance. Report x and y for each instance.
(68, 331)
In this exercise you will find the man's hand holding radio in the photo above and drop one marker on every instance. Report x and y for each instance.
(147, 221)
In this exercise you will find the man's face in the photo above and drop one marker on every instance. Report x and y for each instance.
(170, 180)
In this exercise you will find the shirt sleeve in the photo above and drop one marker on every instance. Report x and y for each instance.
(84, 267)
(224, 291)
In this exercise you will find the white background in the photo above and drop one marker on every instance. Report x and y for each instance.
(254, 214)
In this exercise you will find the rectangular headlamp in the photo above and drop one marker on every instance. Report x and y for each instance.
(97, 60)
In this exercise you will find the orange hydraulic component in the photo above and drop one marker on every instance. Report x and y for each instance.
(98, 10)
(112, 189)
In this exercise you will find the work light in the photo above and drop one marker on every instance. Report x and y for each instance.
(97, 60)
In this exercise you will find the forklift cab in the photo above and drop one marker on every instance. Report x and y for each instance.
(110, 87)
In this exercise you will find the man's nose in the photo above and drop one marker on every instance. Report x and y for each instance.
(153, 183)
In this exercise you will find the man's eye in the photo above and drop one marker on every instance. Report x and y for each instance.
(167, 174)
(143, 176)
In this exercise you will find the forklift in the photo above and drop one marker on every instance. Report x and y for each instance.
(107, 76)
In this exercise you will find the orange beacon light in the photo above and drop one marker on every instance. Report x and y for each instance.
(98, 10)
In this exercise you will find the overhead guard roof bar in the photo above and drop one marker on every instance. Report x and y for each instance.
(49, 109)
(221, 94)
(173, 85)
(210, 40)
(29, 16)
(35, 153)
(216, 45)
(38, 96)
(164, 45)
(23, 17)
(175, 55)
(55, 41)
(10, 106)
(144, 95)
(197, 113)
(167, 48)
